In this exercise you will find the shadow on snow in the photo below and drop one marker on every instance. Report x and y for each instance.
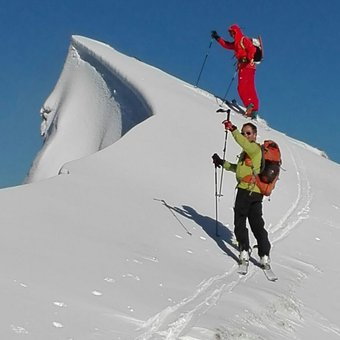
(218, 232)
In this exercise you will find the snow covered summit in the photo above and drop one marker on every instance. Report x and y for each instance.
(122, 243)
(110, 105)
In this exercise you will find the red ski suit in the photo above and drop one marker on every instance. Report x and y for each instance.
(244, 51)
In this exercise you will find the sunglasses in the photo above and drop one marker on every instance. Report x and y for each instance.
(248, 133)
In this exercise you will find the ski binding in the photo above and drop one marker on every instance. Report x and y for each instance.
(269, 273)
(243, 267)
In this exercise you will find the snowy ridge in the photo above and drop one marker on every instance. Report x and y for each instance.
(92, 106)
(122, 244)
(310, 148)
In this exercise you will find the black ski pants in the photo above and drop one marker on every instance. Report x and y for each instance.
(248, 205)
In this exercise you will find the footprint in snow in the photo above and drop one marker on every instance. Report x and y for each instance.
(57, 324)
(135, 261)
(19, 329)
(59, 304)
(152, 259)
(96, 293)
(21, 284)
(135, 277)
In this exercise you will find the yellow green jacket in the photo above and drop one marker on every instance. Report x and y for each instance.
(246, 166)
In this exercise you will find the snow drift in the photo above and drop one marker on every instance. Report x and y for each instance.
(122, 244)
(91, 107)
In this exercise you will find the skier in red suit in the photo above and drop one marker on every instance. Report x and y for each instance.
(244, 51)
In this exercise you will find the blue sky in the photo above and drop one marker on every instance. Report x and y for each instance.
(298, 82)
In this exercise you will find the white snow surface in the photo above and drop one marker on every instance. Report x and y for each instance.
(113, 236)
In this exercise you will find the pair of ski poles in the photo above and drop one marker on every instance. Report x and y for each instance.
(219, 194)
(202, 68)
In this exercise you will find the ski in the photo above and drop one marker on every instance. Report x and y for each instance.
(268, 272)
(236, 107)
(233, 105)
(243, 267)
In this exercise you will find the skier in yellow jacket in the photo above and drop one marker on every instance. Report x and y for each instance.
(248, 203)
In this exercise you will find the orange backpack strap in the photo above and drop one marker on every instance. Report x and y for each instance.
(251, 180)
(265, 188)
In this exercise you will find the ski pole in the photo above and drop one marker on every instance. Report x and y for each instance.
(205, 59)
(171, 209)
(216, 204)
(229, 86)
(224, 152)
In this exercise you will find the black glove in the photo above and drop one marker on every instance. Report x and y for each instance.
(217, 160)
(214, 35)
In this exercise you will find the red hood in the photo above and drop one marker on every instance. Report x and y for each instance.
(236, 29)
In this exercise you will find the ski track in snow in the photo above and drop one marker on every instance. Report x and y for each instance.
(284, 314)
(174, 321)
(300, 208)
(283, 307)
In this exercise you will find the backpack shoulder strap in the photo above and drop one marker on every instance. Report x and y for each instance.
(263, 161)
(241, 43)
(261, 45)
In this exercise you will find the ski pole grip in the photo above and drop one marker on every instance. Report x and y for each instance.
(228, 114)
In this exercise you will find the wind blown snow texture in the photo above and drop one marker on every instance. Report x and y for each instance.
(122, 244)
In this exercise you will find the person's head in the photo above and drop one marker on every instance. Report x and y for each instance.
(233, 29)
(249, 131)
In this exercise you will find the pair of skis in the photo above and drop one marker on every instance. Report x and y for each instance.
(268, 272)
(233, 105)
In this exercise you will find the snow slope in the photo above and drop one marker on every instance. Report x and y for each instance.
(122, 243)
